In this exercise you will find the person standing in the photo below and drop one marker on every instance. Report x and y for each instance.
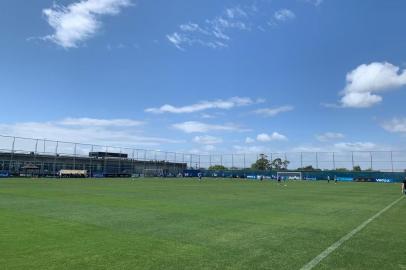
(404, 186)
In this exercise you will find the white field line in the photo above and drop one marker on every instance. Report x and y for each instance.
(337, 244)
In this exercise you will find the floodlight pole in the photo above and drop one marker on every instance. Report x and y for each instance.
(370, 155)
(317, 160)
(334, 161)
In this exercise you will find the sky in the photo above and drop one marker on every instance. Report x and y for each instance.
(206, 76)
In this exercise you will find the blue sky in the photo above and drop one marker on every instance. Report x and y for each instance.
(206, 76)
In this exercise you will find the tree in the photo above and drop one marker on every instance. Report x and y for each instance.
(308, 168)
(357, 168)
(341, 170)
(217, 168)
(279, 164)
(262, 164)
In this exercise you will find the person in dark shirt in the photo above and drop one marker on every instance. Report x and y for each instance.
(404, 186)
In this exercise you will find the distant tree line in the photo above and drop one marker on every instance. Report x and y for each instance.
(263, 163)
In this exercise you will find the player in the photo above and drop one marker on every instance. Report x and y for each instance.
(279, 179)
(335, 179)
(200, 176)
(328, 179)
(404, 186)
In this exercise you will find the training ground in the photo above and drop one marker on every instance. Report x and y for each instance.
(212, 224)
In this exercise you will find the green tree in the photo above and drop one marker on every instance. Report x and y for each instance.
(262, 164)
(217, 168)
(357, 168)
(278, 164)
(307, 168)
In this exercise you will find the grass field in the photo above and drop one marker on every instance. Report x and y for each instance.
(186, 224)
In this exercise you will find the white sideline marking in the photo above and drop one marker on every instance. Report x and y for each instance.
(337, 244)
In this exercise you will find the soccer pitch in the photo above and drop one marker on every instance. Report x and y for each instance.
(187, 224)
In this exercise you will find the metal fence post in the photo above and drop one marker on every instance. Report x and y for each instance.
(35, 151)
(12, 154)
(391, 160)
(334, 161)
(301, 160)
(91, 163)
(370, 155)
(56, 156)
(133, 161)
(352, 160)
(74, 156)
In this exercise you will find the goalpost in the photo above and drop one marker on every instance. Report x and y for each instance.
(289, 175)
(153, 172)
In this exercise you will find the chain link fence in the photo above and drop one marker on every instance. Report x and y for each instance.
(34, 149)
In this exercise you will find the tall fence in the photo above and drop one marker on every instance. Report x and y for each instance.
(387, 161)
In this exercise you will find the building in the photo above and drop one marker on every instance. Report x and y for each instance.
(97, 164)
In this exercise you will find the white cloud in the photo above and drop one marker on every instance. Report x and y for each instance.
(275, 136)
(206, 139)
(355, 146)
(236, 12)
(329, 136)
(79, 21)
(199, 127)
(250, 149)
(213, 33)
(209, 148)
(96, 133)
(249, 140)
(396, 125)
(84, 121)
(315, 2)
(204, 105)
(367, 81)
(341, 147)
(270, 112)
(284, 15)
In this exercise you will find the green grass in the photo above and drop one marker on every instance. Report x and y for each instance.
(186, 224)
